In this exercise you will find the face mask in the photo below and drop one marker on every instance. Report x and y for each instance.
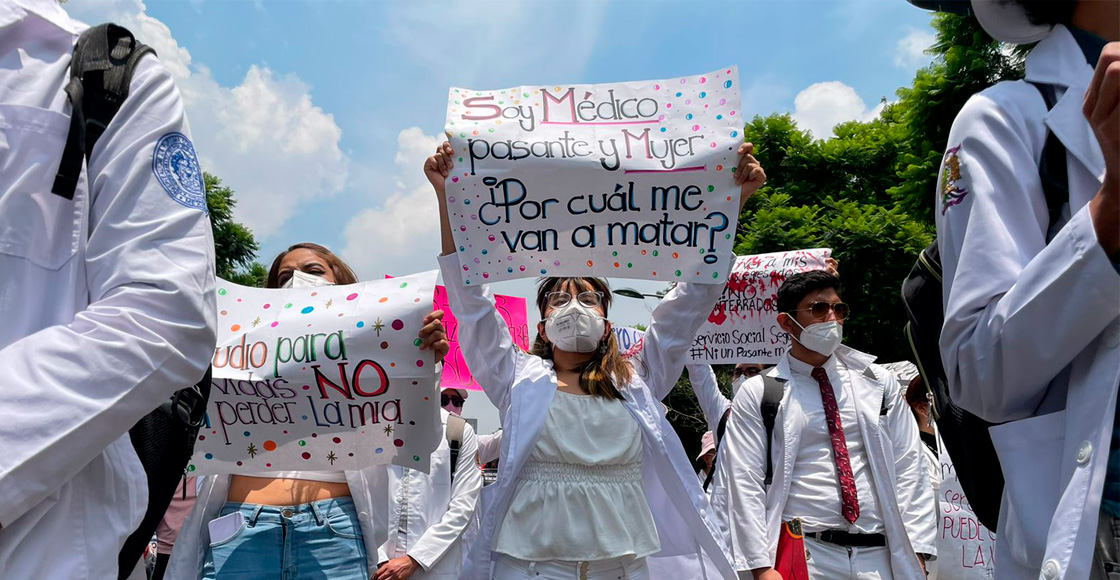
(302, 280)
(821, 337)
(735, 384)
(575, 327)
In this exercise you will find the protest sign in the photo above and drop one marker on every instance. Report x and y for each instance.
(326, 378)
(965, 548)
(514, 312)
(631, 180)
(630, 341)
(743, 326)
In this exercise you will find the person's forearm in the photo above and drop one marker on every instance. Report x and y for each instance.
(1105, 211)
(445, 235)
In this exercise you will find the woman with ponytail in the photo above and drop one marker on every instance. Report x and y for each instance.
(593, 482)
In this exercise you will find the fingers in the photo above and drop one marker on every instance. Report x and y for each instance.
(1108, 96)
(1109, 55)
(433, 316)
(431, 333)
(743, 170)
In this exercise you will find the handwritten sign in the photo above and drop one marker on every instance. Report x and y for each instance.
(456, 375)
(743, 325)
(630, 341)
(631, 180)
(327, 378)
(965, 548)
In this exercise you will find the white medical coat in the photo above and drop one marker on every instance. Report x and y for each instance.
(428, 514)
(1032, 329)
(753, 512)
(107, 303)
(522, 386)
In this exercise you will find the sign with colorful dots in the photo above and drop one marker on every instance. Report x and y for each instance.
(323, 378)
(743, 326)
(631, 180)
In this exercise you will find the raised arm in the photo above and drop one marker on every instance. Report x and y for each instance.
(706, 388)
(483, 335)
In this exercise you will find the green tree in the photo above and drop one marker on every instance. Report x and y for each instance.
(234, 245)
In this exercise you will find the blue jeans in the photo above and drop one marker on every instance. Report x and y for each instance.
(315, 541)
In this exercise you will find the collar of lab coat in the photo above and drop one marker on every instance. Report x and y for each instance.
(13, 11)
(852, 358)
(1058, 60)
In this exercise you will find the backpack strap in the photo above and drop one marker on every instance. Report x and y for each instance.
(772, 390)
(1052, 167)
(720, 429)
(101, 68)
(454, 434)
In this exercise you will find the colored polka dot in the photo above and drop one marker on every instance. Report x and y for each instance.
(267, 306)
(379, 450)
(398, 324)
(307, 310)
(352, 296)
(398, 443)
(416, 458)
(616, 264)
(711, 188)
(239, 464)
(270, 445)
(727, 85)
(417, 342)
(384, 345)
(235, 328)
(419, 364)
(306, 455)
(703, 80)
(590, 263)
(678, 272)
(404, 284)
(275, 324)
(302, 443)
(268, 465)
(719, 168)
(676, 255)
(222, 292)
(223, 313)
(209, 455)
(307, 387)
(247, 433)
(655, 253)
(361, 323)
(383, 300)
(288, 305)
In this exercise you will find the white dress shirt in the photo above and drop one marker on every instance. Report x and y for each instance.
(428, 513)
(107, 302)
(814, 491)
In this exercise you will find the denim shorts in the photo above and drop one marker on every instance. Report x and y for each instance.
(319, 540)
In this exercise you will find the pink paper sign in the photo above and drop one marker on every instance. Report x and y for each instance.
(456, 375)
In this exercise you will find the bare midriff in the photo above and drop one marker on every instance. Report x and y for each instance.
(283, 492)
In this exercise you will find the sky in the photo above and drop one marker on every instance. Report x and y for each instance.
(319, 114)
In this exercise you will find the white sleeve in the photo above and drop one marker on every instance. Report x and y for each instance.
(741, 471)
(68, 391)
(489, 447)
(1017, 311)
(706, 388)
(916, 500)
(483, 336)
(671, 331)
(464, 497)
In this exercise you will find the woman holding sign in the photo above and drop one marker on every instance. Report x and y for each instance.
(270, 525)
(593, 482)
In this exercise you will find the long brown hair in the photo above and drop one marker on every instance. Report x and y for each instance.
(342, 273)
(598, 375)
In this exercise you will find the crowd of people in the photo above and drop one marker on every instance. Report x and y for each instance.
(824, 466)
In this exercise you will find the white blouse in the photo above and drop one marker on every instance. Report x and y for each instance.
(579, 496)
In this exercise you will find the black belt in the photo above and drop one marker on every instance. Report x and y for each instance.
(849, 540)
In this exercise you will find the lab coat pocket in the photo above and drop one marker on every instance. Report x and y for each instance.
(1030, 454)
(441, 468)
(36, 224)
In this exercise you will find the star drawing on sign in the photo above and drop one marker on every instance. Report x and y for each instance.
(388, 429)
(378, 325)
(252, 450)
(331, 457)
(329, 302)
(256, 321)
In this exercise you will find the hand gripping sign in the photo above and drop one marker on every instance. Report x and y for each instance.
(321, 378)
(632, 180)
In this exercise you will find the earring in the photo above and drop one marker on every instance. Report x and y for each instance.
(602, 348)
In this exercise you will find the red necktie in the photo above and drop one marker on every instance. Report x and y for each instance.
(850, 507)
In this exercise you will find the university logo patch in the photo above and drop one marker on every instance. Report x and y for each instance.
(953, 191)
(176, 167)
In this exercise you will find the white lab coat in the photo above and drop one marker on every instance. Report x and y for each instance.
(368, 490)
(428, 514)
(107, 303)
(753, 514)
(711, 400)
(1031, 330)
(522, 387)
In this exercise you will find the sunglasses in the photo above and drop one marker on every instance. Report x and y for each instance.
(445, 400)
(749, 372)
(820, 310)
(560, 299)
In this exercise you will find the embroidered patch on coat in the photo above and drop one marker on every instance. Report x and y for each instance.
(175, 165)
(953, 190)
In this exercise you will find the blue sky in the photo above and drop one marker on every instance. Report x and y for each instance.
(319, 113)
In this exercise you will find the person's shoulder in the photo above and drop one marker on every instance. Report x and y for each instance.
(1016, 104)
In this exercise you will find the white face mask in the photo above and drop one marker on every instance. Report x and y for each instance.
(575, 327)
(821, 337)
(735, 384)
(302, 280)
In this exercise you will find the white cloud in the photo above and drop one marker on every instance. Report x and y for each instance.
(911, 50)
(265, 138)
(400, 236)
(822, 106)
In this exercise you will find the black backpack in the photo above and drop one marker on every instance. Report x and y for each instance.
(101, 70)
(965, 435)
(773, 389)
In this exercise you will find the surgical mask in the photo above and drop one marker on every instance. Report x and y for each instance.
(821, 337)
(575, 327)
(302, 280)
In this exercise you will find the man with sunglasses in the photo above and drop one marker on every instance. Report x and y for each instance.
(846, 458)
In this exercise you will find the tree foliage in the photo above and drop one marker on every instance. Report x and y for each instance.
(235, 249)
